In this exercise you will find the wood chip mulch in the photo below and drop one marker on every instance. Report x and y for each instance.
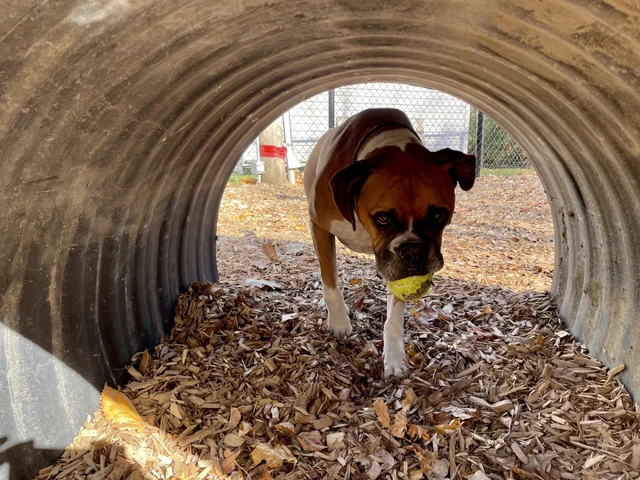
(501, 232)
(249, 385)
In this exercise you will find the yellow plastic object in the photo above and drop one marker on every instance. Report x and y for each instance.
(411, 288)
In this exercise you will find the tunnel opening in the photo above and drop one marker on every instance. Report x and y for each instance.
(442, 121)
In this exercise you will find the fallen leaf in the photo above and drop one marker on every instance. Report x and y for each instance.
(311, 441)
(262, 284)
(440, 470)
(335, 441)
(233, 440)
(229, 462)
(118, 409)
(374, 471)
(270, 251)
(426, 458)
(461, 412)
(399, 423)
(426, 317)
(357, 305)
(416, 432)
(286, 429)
(409, 398)
(273, 456)
(245, 429)
(383, 413)
(454, 425)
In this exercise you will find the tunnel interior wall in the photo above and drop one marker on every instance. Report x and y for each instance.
(121, 121)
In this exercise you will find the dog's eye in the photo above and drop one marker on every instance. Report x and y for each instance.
(439, 215)
(383, 219)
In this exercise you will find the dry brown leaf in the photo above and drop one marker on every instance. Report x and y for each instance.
(374, 471)
(270, 251)
(245, 429)
(462, 413)
(383, 413)
(118, 409)
(426, 458)
(311, 441)
(323, 422)
(409, 398)
(399, 423)
(453, 425)
(274, 457)
(229, 462)
(335, 441)
(286, 429)
(233, 440)
(417, 432)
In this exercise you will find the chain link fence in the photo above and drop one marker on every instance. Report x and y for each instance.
(440, 119)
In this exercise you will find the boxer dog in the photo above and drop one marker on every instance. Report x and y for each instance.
(372, 184)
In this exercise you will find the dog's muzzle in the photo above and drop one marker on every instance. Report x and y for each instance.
(409, 259)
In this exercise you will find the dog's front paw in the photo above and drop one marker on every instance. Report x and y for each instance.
(340, 325)
(394, 364)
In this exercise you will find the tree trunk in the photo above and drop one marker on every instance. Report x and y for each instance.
(274, 168)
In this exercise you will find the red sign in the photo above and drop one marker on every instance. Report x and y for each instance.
(272, 151)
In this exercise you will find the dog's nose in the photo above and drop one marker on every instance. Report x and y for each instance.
(414, 253)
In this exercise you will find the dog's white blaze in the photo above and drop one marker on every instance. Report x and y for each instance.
(358, 241)
(407, 236)
(399, 137)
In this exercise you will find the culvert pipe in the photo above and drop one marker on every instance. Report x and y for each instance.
(121, 120)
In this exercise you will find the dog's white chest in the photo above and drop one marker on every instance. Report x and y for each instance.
(358, 240)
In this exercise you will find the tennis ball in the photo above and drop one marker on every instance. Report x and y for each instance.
(411, 288)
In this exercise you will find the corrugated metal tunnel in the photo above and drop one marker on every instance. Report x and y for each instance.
(121, 120)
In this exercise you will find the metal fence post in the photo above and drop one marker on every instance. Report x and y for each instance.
(332, 108)
(479, 142)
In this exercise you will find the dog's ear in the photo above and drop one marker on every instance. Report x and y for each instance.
(461, 167)
(346, 185)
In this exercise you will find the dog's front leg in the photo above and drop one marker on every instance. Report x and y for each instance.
(325, 245)
(393, 352)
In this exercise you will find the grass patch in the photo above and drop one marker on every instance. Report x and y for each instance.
(237, 178)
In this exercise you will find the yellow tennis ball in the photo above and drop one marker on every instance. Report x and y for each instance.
(411, 288)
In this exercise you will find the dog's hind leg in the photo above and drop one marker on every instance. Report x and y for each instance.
(325, 245)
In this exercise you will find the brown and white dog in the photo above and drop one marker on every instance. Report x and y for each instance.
(371, 183)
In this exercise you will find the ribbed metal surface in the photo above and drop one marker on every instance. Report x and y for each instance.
(120, 122)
